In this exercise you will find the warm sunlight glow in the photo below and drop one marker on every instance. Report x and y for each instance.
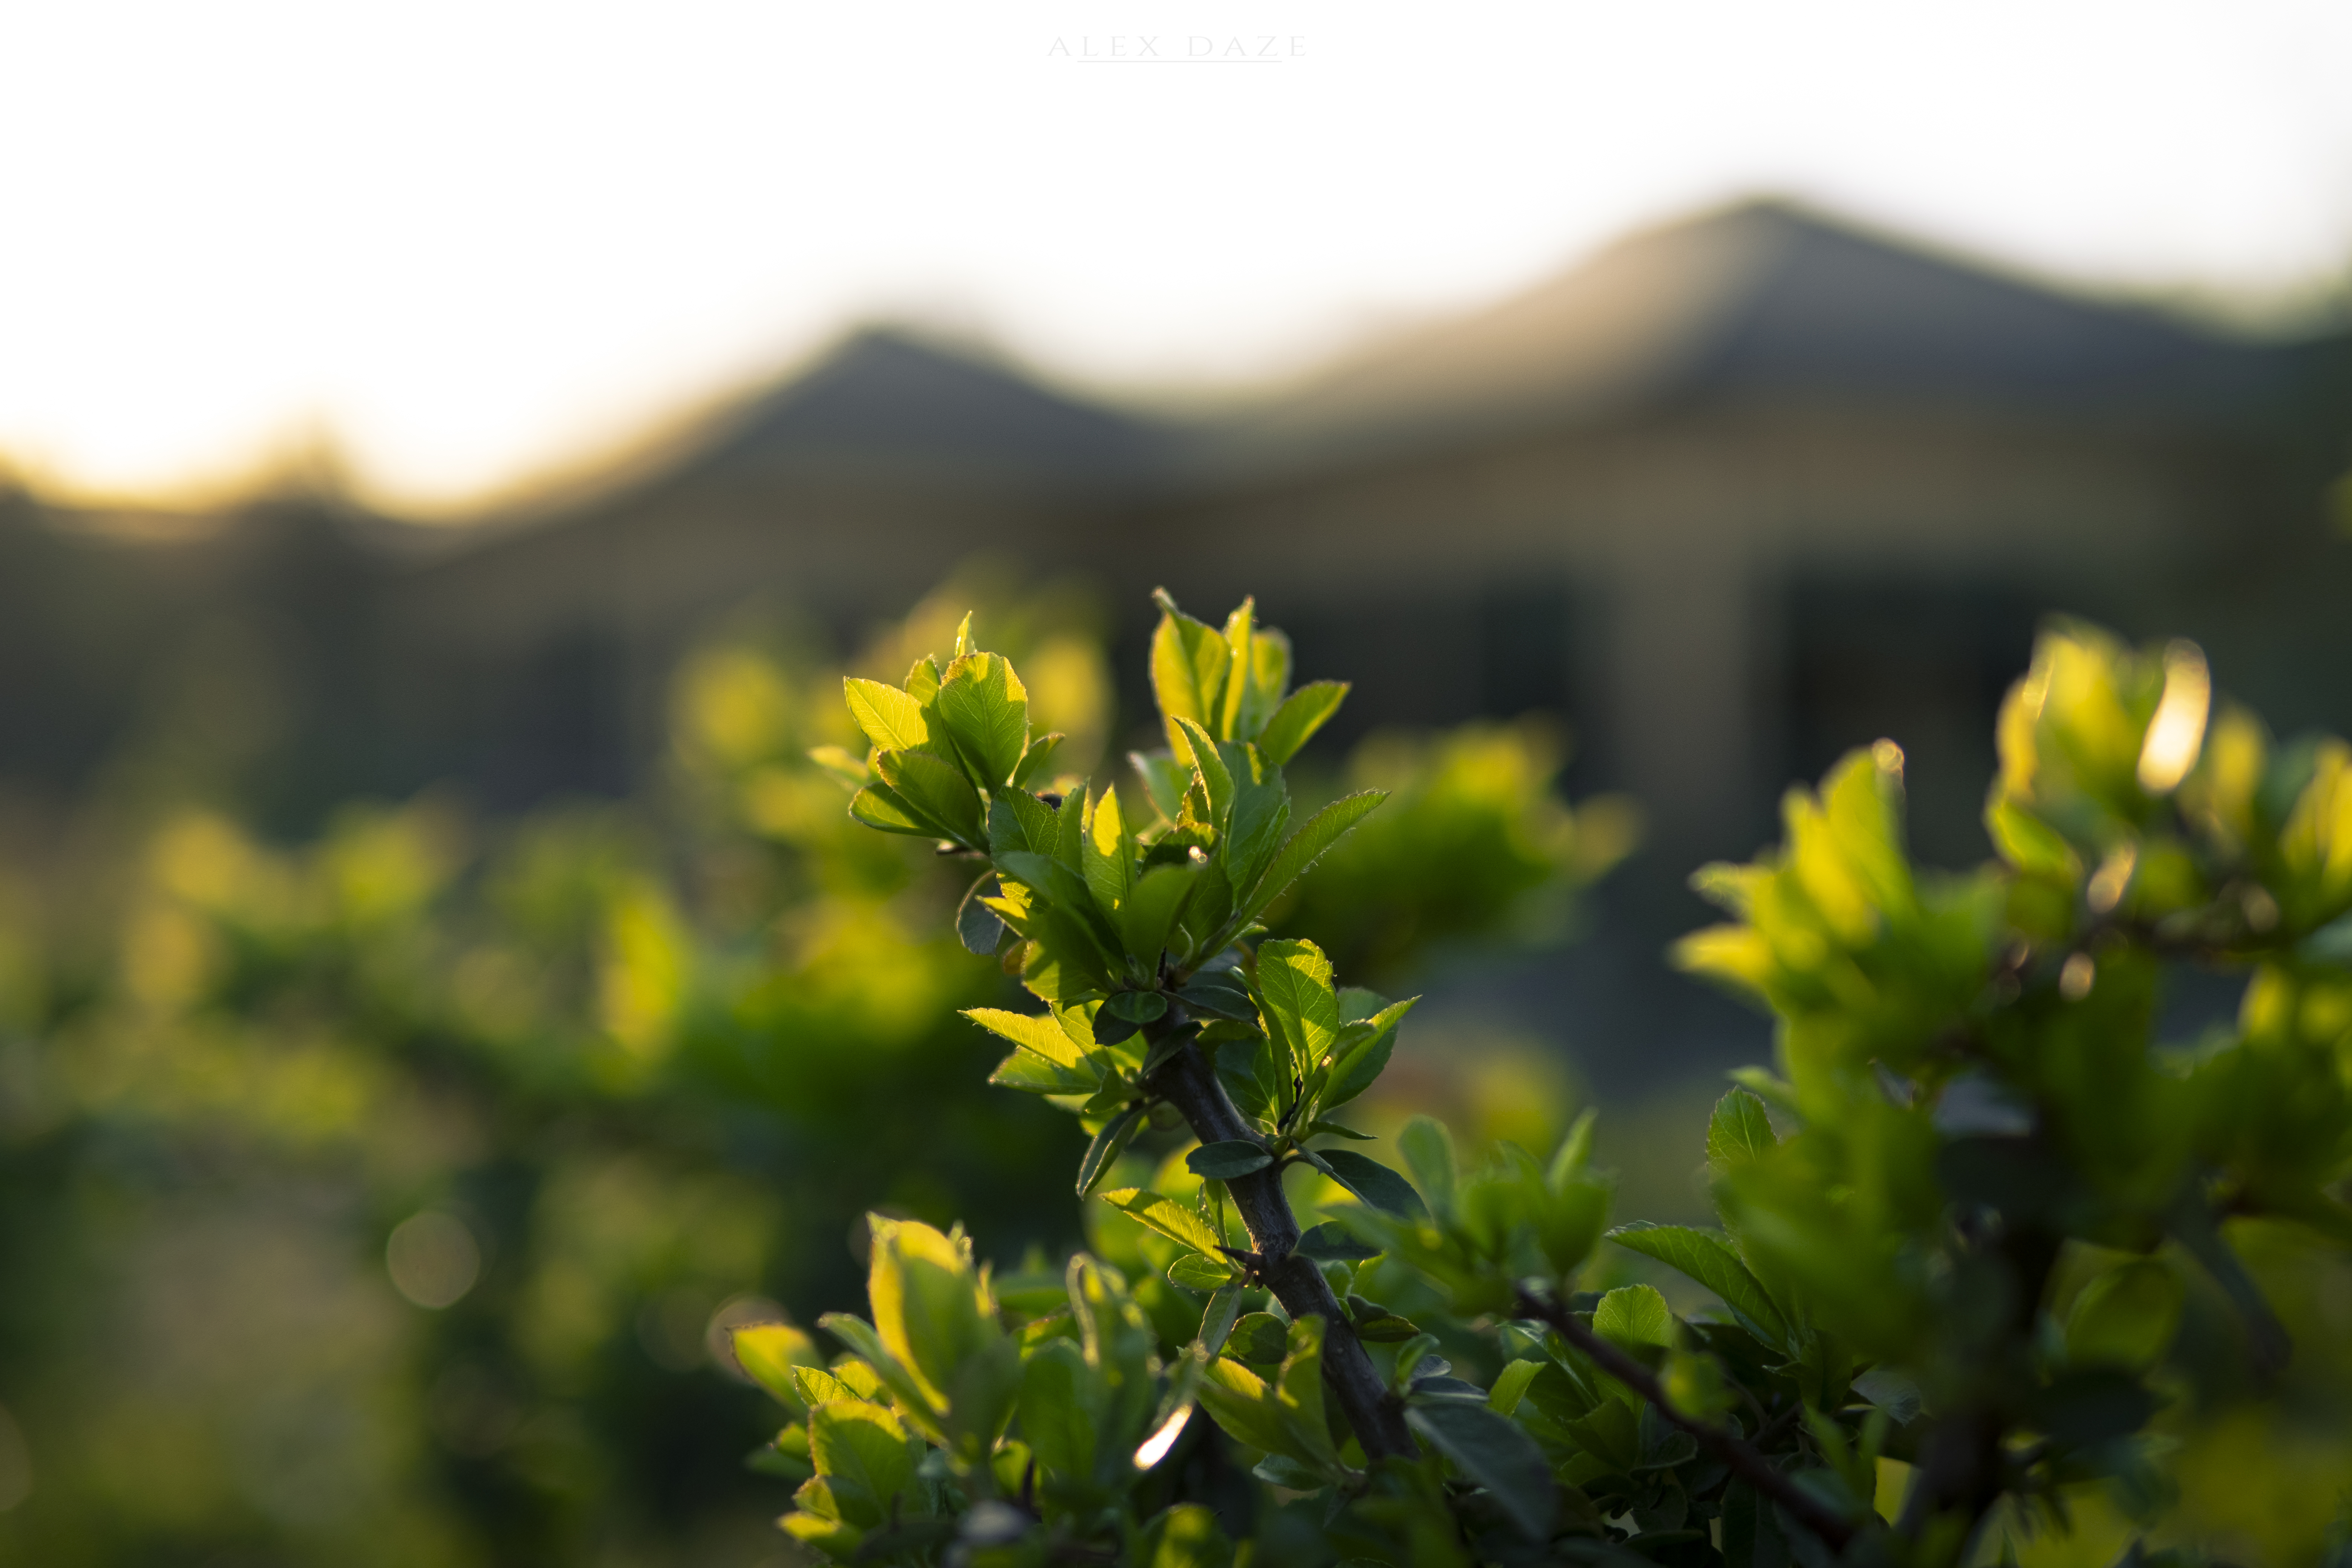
(1155, 1447)
(2177, 732)
(460, 244)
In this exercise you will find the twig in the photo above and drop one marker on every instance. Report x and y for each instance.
(1186, 1082)
(1752, 1466)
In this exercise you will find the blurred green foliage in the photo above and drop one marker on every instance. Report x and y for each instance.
(384, 1198)
(1472, 844)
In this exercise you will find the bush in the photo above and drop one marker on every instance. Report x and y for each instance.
(371, 1197)
(1972, 1233)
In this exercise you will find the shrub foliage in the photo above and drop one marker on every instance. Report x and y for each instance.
(1958, 1227)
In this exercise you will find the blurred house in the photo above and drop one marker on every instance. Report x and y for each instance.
(1742, 491)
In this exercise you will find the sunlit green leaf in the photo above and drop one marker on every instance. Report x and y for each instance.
(1295, 721)
(1305, 847)
(1180, 1223)
(986, 708)
(891, 720)
(936, 788)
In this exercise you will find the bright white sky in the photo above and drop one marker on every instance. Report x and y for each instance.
(469, 241)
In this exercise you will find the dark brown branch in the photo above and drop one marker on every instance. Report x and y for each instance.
(1745, 1462)
(1186, 1082)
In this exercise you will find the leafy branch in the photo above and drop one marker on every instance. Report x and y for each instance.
(1834, 1530)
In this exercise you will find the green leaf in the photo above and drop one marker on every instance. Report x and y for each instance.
(1047, 876)
(1575, 1152)
(1299, 1390)
(1241, 672)
(1164, 779)
(1295, 721)
(922, 680)
(1386, 1328)
(1135, 1006)
(891, 720)
(1035, 1075)
(930, 1310)
(883, 1370)
(986, 708)
(1371, 1181)
(880, 806)
(937, 789)
(1185, 1536)
(1018, 820)
(1241, 1403)
(1332, 1242)
(1219, 993)
(1106, 1145)
(1711, 1260)
(1250, 1076)
(1222, 1161)
(1429, 1151)
(1337, 1130)
(1217, 1321)
(1739, 1131)
(768, 1353)
(1035, 1031)
(978, 927)
(1364, 1050)
(1058, 1416)
(817, 1387)
(1269, 659)
(1189, 660)
(1496, 1453)
(1261, 811)
(1635, 1315)
(1150, 912)
(1107, 853)
(1304, 847)
(1197, 1271)
(1260, 1337)
(1511, 1385)
(1180, 1223)
(1037, 761)
(1209, 762)
(1293, 986)
(862, 1454)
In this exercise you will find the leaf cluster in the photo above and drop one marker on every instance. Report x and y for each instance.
(1957, 1232)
